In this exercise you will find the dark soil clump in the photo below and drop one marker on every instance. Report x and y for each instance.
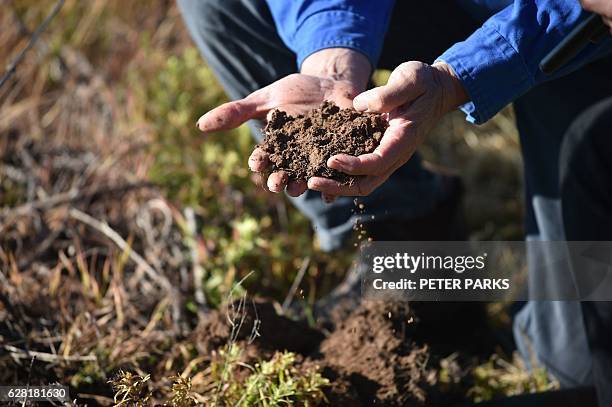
(301, 145)
(374, 350)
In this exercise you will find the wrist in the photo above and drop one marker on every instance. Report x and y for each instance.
(340, 64)
(454, 93)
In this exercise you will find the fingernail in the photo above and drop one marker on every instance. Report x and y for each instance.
(335, 162)
(277, 185)
(360, 103)
(343, 164)
(199, 122)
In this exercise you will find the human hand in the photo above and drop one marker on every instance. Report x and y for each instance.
(601, 7)
(337, 75)
(416, 97)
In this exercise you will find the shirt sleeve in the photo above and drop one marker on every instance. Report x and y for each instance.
(500, 61)
(307, 26)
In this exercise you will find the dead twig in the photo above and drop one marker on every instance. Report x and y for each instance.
(198, 270)
(158, 278)
(46, 357)
(296, 283)
(29, 378)
(12, 67)
(109, 232)
(71, 196)
(49, 202)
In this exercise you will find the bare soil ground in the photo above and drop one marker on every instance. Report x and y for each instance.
(373, 356)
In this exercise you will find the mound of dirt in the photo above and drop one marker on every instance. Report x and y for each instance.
(373, 349)
(274, 332)
(370, 357)
(301, 145)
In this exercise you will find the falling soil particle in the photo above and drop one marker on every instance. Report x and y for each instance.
(300, 145)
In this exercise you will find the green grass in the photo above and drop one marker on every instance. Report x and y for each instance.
(276, 382)
(499, 377)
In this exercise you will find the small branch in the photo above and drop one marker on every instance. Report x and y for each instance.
(49, 202)
(12, 67)
(71, 196)
(198, 270)
(107, 231)
(296, 283)
(46, 357)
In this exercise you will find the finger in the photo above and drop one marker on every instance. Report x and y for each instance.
(277, 181)
(259, 180)
(366, 164)
(395, 142)
(331, 187)
(296, 188)
(406, 83)
(361, 187)
(232, 114)
(328, 198)
(259, 160)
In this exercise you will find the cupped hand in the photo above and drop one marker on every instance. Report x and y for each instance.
(416, 97)
(295, 94)
(336, 74)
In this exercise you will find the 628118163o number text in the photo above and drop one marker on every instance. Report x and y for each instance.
(34, 393)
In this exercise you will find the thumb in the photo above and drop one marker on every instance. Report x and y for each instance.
(231, 114)
(405, 84)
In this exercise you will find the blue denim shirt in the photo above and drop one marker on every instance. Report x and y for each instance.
(497, 63)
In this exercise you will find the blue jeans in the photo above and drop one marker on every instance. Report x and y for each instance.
(240, 43)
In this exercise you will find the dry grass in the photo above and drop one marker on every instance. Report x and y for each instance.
(96, 269)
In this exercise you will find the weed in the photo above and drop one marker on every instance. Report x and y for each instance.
(498, 377)
(182, 395)
(131, 389)
(279, 381)
(275, 382)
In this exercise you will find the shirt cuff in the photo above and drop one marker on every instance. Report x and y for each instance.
(491, 70)
(338, 29)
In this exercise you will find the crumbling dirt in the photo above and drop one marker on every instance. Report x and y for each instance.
(301, 145)
(373, 349)
(370, 357)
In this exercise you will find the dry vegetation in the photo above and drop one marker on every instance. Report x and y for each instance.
(120, 227)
